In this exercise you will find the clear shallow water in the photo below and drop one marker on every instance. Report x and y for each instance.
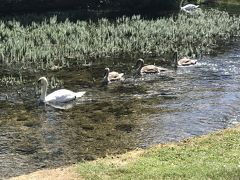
(207, 99)
(123, 116)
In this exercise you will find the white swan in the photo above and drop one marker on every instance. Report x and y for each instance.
(189, 8)
(59, 96)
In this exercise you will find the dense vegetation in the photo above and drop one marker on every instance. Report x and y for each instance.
(225, 1)
(50, 42)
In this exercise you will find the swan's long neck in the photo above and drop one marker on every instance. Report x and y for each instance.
(175, 59)
(181, 4)
(139, 66)
(43, 91)
(105, 79)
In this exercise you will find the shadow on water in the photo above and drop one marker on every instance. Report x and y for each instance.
(94, 15)
(116, 118)
(82, 15)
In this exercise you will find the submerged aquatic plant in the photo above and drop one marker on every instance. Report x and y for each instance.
(11, 80)
(51, 43)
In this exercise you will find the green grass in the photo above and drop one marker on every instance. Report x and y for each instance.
(234, 2)
(214, 156)
(51, 42)
(229, 2)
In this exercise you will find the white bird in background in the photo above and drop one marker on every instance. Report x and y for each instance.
(189, 8)
(59, 96)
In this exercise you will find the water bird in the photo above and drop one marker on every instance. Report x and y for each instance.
(55, 67)
(185, 61)
(111, 76)
(58, 96)
(147, 69)
(189, 8)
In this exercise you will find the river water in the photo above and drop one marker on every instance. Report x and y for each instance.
(138, 112)
(205, 98)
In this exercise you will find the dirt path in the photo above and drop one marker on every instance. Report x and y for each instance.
(64, 173)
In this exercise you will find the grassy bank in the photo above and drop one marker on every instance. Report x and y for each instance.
(227, 2)
(214, 156)
(41, 45)
(237, 2)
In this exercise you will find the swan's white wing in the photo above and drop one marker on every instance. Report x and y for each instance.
(61, 95)
(62, 106)
(189, 7)
(80, 94)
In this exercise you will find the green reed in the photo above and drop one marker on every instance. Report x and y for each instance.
(50, 43)
(11, 80)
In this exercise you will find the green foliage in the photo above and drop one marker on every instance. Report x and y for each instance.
(213, 157)
(228, 1)
(213, 1)
(11, 80)
(49, 43)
